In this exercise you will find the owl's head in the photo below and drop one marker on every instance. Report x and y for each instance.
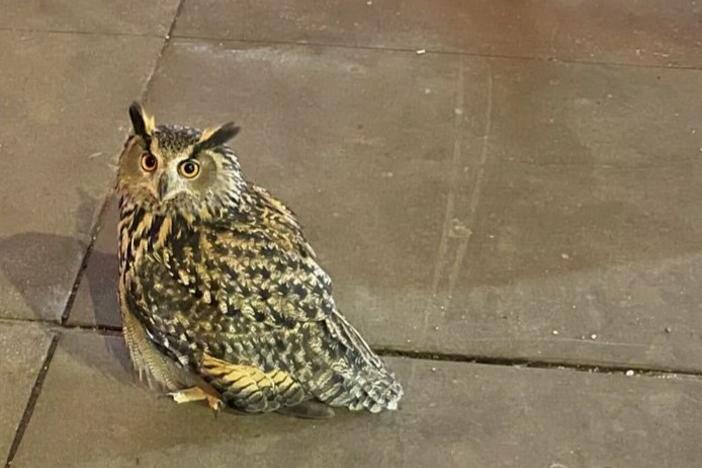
(169, 167)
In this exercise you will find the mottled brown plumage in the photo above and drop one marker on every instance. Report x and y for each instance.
(221, 295)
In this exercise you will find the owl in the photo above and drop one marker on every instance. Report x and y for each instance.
(222, 298)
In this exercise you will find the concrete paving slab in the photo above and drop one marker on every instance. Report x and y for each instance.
(578, 239)
(440, 239)
(455, 414)
(64, 97)
(23, 348)
(103, 16)
(575, 265)
(656, 32)
(549, 317)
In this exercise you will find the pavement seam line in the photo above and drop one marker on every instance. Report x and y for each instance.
(533, 58)
(608, 369)
(32, 401)
(94, 231)
(159, 57)
(99, 220)
(102, 330)
(108, 330)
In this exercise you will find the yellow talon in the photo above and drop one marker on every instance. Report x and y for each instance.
(197, 394)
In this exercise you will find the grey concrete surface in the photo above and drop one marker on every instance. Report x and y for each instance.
(94, 16)
(454, 415)
(63, 99)
(527, 190)
(639, 33)
(23, 348)
(467, 205)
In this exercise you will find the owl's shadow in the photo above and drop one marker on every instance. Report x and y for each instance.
(35, 266)
(38, 272)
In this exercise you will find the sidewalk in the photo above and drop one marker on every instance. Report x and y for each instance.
(507, 196)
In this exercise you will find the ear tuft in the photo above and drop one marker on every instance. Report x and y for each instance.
(142, 122)
(213, 137)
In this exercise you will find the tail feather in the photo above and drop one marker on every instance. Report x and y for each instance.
(359, 379)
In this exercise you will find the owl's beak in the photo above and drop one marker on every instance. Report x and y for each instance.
(167, 189)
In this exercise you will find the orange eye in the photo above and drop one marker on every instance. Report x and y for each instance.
(189, 168)
(148, 162)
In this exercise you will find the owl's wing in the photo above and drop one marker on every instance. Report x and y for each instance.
(285, 300)
(270, 280)
(270, 271)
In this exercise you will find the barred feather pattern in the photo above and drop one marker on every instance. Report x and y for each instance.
(237, 281)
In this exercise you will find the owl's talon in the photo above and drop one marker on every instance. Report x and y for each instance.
(197, 394)
(215, 404)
